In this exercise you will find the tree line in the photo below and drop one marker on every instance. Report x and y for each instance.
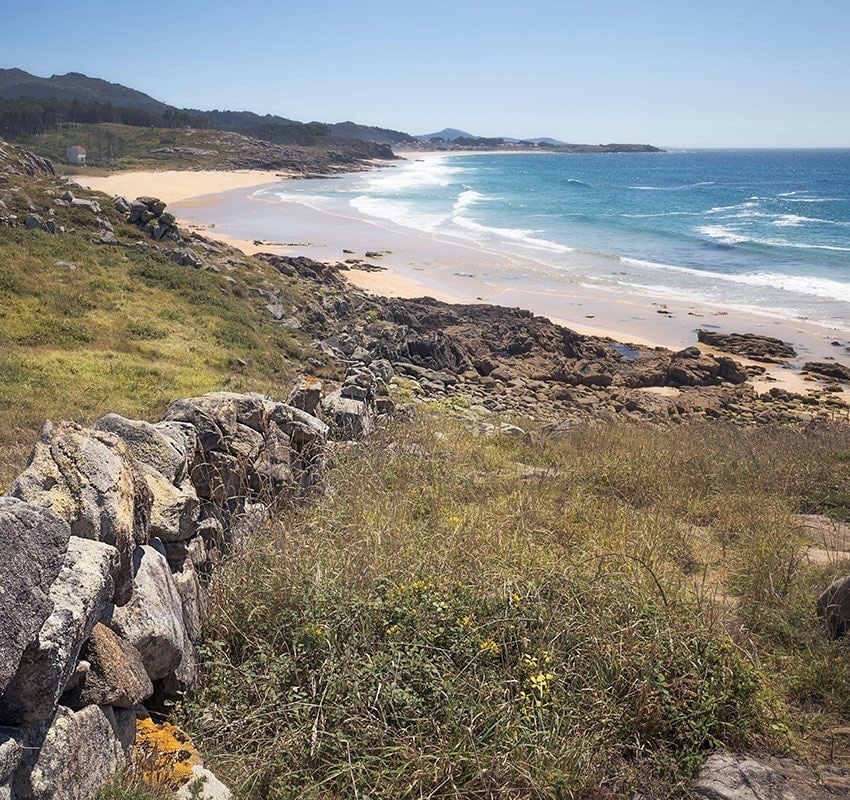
(29, 116)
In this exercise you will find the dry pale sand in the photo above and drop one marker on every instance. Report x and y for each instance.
(174, 186)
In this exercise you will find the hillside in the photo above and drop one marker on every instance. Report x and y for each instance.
(111, 146)
(81, 89)
(551, 569)
(74, 86)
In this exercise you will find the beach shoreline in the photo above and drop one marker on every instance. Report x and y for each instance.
(222, 206)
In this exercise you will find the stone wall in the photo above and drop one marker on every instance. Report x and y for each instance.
(107, 542)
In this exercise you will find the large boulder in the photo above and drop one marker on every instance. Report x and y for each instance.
(115, 676)
(168, 447)
(731, 777)
(77, 754)
(350, 418)
(229, 428)
(90, 478)
(80, 595)
(153, 619)
(834, 607)
(33, 542)
(174, 509)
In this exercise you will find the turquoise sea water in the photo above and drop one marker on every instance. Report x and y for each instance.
(766, 231)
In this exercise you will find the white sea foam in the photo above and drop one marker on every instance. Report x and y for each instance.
(664, 214)
(467, 198)
(813, 199)
(397, 211)
(673, 188)
(428, 172)
(519, 235)
(723, 234)
(796, 284)
(751, 203)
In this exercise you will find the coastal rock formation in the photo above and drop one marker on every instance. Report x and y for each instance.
(152, 621)
(106, 543)
(115, 675)
(828, 369)
(751, 345)
(76, 754)
(150, 216)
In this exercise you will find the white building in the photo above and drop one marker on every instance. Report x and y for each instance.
(76, 155)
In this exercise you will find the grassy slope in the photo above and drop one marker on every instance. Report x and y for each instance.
(469, 617)
(127, 330)
(111, 146)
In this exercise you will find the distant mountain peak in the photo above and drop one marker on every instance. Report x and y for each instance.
(447, 135)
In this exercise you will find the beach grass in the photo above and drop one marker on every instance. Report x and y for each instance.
(482, 617)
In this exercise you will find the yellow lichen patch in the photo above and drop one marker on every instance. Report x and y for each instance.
(163, 755)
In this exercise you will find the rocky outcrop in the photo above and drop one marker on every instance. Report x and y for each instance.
(32, 551)
(107, 540)
(90, 479)
(731, 777)
(80, 596)
(750, 345)
(150, 216)
(828, 369)
(16, 160)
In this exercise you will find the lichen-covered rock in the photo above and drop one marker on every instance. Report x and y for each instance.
(115, 676)
(153, 619)
(33, 542)
(78, 753)
(834, 607)
(90, 479)
(80, 595)
(168, 447)
(731, 777)
(174, 509)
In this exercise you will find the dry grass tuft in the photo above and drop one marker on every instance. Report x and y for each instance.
(475, 617)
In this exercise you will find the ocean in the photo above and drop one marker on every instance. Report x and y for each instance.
(752, 230)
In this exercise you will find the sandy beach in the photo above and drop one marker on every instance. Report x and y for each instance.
(174, 186)
(224, 206)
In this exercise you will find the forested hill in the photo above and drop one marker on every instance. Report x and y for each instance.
(31, 105)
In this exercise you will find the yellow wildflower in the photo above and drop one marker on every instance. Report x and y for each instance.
(489, 646)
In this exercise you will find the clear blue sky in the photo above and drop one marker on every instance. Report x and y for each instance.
(695, 74)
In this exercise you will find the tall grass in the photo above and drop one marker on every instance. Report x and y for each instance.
(471, 617)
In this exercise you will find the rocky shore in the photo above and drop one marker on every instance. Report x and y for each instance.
(109, 537)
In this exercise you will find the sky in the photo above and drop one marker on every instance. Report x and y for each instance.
(748, 73)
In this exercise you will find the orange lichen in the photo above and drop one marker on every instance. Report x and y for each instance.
(163, 755)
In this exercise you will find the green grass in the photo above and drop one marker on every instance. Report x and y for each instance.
(468, 617)
(110, 146)
(129, 788)
(125, 330)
